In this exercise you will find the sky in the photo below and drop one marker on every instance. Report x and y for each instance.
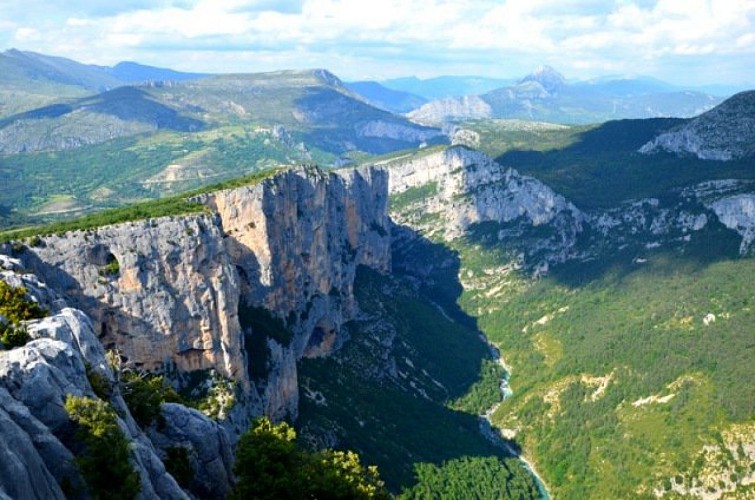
(688, 42)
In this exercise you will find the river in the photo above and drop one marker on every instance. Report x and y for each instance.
(494, 434)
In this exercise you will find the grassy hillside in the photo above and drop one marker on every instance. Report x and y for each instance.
(162, 207)
(619, 383)
(599, 166)
(44, 186)
(29, 80)
(136, 143)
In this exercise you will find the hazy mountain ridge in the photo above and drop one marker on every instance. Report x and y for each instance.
(22, 67)
(545, 95)
(165, 136)
(446, 86)
(724, 133)
(382, 97)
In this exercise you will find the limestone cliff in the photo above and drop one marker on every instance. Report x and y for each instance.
(296, 241)
(166, 292)
(163, 291)
(723, 133)
(456, 189)
(451, 109)
(38, 435)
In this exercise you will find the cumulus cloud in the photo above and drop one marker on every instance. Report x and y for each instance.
(394, 37)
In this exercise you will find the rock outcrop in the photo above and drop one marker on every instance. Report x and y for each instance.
(35, 381)
(298, 238)
(163, 291)
(206, 444)
(296, 241)
(459, 188)
(738, 213)
(451, 109)
(726, 132)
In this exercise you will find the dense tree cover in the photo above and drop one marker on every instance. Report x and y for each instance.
(104, 459)
(270, 465)
(641, 329)
(471, 478)
(16, 307)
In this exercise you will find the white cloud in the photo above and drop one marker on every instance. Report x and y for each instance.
(382, 37)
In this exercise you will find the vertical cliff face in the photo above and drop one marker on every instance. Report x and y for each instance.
(296, 240)
(167, 292)
(478, 190)
(451, 193)
(163, 291)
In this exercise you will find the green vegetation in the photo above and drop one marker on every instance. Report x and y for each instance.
(412, 195)
(144, 393)
(98, 381)
(112, 268)
(483, 394)
(125, 171)
(104, 460)
(165, 207)
(260, 325)
(599, 166)
(389, 392)
(220, 398)
(471, 477)
(617, 380)
(269, 465)
(16, 307)
(629, 365)
(178, 465)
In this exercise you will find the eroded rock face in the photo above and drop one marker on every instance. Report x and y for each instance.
(738, 213)
(207, 445)
(451, 109)
(35, 381)
(162, 291)
(467, 187)
(24, 473)
(296, 240)
(166, 292)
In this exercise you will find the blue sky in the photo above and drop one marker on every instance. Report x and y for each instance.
(692, 42)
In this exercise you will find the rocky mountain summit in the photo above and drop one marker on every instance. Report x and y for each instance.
(724, 133)
(547, 77)
(545, 95)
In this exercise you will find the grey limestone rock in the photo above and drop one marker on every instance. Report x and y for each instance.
(27, 448)
(471, 188)
(207, 444)
(724, 133)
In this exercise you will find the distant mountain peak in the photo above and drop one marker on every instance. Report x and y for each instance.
(545, 75)
(327, 77)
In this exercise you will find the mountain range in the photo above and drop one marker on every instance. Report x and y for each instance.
(545, 95)
(537, 310)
